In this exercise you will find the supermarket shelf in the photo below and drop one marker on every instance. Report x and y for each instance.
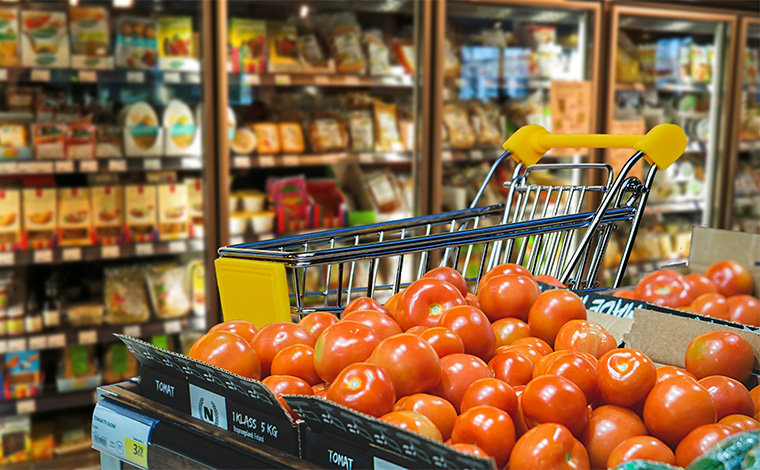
(749, 146)
(286, 79)
(275, 161)
(88, 459)
(100, 165)
(68, 336)
(744, 201)
(50, 400)
(516, 82)
(654, 208)
(137, 77)
(94, 253)
(665, 86)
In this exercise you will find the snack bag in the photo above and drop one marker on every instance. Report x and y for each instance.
(169, 290)
(247, 46)
(9, 37)
(125, 297)
(456, 119)
(327, 133)
(136, 44)
(386, 128)
(342, 31)
(377, 52)
(361, 130)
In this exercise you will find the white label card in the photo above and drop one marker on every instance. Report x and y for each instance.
(26, 406)
(152, 164)
(9, 168)
(250, 79)
(43, 256)
(193, 163)
(144, 249)
(447, 156)
(88, 76)
(117, 165)
(88, 337)
(172, 327)
(351, 80)
(3, 74)
(38, 342)
(42, 167)
(40, 75)
(172, 77)
(135, 77)
(366, 158)
(57, 340)
(267, 161)
(64, 167)
(27, 167)
(321, 80)
(17, 344)
(110, 251)
(3, 346)
(133, 330)
(290, 160)
(476, 154)
(177, 247)
(7, 258)
(241, 162)
(88, 166)
(283, 80)
(72, 254)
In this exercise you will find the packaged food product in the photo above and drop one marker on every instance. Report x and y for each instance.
(80, 141)
(169, 289)
(49, 140)
(140, 213)
(487, 127)
(44, 39)
(384, 191)
(342, 30)
(282, 39)
(267, 138)
(237, 223)
(361, 130)
(90, 37)
(247, 45)
(262, 222)
(141, 123)
(108, 141)
(72, 113)
(461, 134)
(175, 43)
(74, 217)
(451, 66)
(9, 37)
(15, 440)
(78, 361)
(48, 106)
(244, 142)
(23, 376)
(14, 141)
(386, 128)
(290, 199)
(20, 99)
(40, 217)
(172, 212)
(198, 287)
(195, 206)
(108, 214)
(136, 44)
(377, 53)
(119, 364)
(291, 137)
(327, 133)
(179, 123)
(312, 54)
(125, 298)
(700, 64)
(405, 53)
(231, 123)
(85, 314)
(10, 222)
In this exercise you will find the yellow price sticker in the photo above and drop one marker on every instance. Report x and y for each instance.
(136, 453)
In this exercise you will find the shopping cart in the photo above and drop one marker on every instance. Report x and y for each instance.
(544, 227)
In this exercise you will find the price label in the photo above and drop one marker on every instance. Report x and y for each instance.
(135, 77)
(117, 165)
(476, 154)
(366, 158)
(26, 406)
(290, 160)
(267, 161)
(177, 247)
(193, 78)
(17, 344)
(144, 249)
(241, 162)
(110, 251)
(9, 168)
(152, 164)
(122, 433)
(7, 258)
(72, 254)
(3, 74)
(133, 330)
(172, 77)
(88, 337)
(249, 79)
(351, 80)
(321, 80)
(42, 167)
(389, 81)
(38, 342)
(57, 340)
(3, 346)
(26, 168)
(282, 80)
(136, 453)
(172, 327)
(86, 76)
(447, 156)
(43, 256)
(64, 167)
(191, 163)
(88, 166)
(40, 75)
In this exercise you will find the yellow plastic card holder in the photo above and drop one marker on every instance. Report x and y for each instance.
(254, 291)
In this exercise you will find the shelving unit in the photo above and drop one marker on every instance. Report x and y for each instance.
(47, 402)
(100, 165)
(321, 80)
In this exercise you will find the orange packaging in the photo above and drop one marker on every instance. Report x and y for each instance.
(10, 219)
(74, 217)
(108, 214)
(40, 217)
(140, 213)
(172, 212)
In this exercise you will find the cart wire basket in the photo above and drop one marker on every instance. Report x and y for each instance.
(545, 227)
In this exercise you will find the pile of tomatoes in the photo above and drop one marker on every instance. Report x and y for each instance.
(724, 291)
(512, 373)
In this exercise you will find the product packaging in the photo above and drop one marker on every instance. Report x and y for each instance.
(9, 37)
(49, 140)
(10, 222)
(108, 214)
(175, 44)
(195, 206)
(198, 287)
(361, 130)
(142, 135)
(180, 130)
(291, 202)
(136, 45)
(327, 133)
(15, 439)
(405, 54)
(267, 138)
(486, 125)
(169, 289)
(20, 99)
(108, 141)
(74, 217)
(377, 53)
(344, 37)
(383, 188)
(80, 141)
(90, 38)
(14, 142)
(313, 54)
(282, 39)
(247, 46)
(291, 138)
(48, 106)
(119, 364)
(387, 137)
(85, 314)
(140, 213)
(244, 142)
(44, 39)
(125, 297)
(172, 212)
(23, 377)
(78, 369)
(40, 217)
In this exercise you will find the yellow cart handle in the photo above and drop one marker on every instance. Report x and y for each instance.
(661, 146)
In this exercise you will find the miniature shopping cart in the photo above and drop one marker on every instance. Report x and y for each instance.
(544, 227)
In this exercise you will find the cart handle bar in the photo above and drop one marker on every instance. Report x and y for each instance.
(661, 146)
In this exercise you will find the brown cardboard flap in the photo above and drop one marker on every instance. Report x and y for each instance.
(709, 245)
(617, 326)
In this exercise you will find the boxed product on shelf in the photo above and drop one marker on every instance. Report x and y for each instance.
(21, 99)
(40, 217)
(344, 37)
(126, 299)
(23, 375)
(14, 141)
(140, 213)
(108, 214)
(387, 137)
(267, 138)
(405, 53)
(282, 43)
(385, 193)
(291, 138)
(108, 141)
(485, 121)
(461, 135)
(247, 46)
(291, 203)
(173, 212)
(80, 141)
(195, 206)
(43, 440)
(142, 135)
(10, 221)
(136, 44)
(49, 140)
(15, 439)
(90, 38)
(85, 314)
(175, 44)
(181, 130)
(44, 39)
(327, 133)
(78, 369)
(118, 364)
(169, 290)
(9, 37)
(361, 130)
(74, 217)
(47, 106)
(329, 203)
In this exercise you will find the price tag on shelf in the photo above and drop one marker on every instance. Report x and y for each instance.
(351, 80)
(66, 166)
(447, 156)
(88, 166)
(57, 340)
(88, 76)
(9, 168)
(172, 327)
(177, 247)
(117, 165)
(122, 433)
(135, 77)
(282, 80)
(390, 81)
(26, 167)
(172, 77)
(7, 258)
(241, 162)
(290, 160)
(476, 154)
(110, 251)
(144, 249)
(267, 161)
(250, 79)
(133, 330)
(192, 163)
(88, 337)
(26, 406)
(72, 254)
(193, 78)
(38, 342)
(43, 256)
(3, 74)
(16, 344)
(40, 75)
(43, 167)
(152, 164)
(3, 346)
(321, 80)
(366, 158)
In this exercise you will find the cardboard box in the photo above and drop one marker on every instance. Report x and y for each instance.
(40, 217)
(173, 212)
(90, 38)
(136, 46)
(74, 217)
(108, 214)
(140, 216)
(49, 140)
(10, 220)
(176, 44)
(247, 46)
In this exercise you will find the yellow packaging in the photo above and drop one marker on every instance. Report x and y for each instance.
(9, 37)
(108, 214)
(40, 209)
(291, 137)
(172, 212)
(267, 138)
(74, 217)
(140, 213)
(195, 205)
(10, 219)
(14, 141)
(457, 122)
(386, 128)
(283, 48)
(175, 41)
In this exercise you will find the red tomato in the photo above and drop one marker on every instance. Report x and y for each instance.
(720, 352)
(675, 406)
(730, 278)
(438, 410)
(365, 303)
(342, 344)
(740, 423)
(698, 441)
(320, 387)
(665, 372)
(425, 301)
(287, 385)
(700, 284)
(487, 427)
(417, 330)
(470, 449)
(744, 309)
(625, 376)
(508, 330)
(228, 351)
(641, 448)
(729, 395)
(508, 296)
(512, 367)
(492, 392)
(711, 305)
(585, 336)
(530, 351)
(473, 301)
(755, 394)
(548, 446)
(665, 287)
(296, 360)
(363, 387)
(276, 336)
(472, 326)
(315, 323)
(458, 371)
(443, 340)
(572, 366)
(537, 343)
(391, 303)
(242, 328)
(553, 309)
(554, 399)
(607, 427)
(625, 294)
(546, 279)
(502, 269)
(383, 325)
(410, 361)
(414, 422)
(449, 275)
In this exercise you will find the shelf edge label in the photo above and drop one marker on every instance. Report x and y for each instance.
(122, 434)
